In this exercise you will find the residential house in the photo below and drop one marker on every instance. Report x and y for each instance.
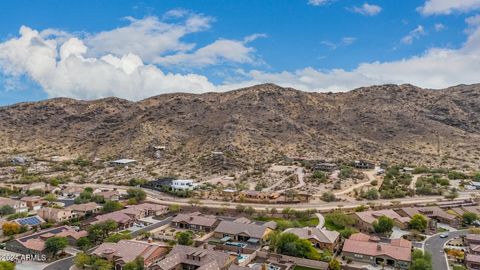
(364, 220)
(17, 205)
(195, 222)
(72, 191)
(241, 231)
(159, 184)
(124, 221)
(85, 209)
(56, 214)
(123, 162)
(183, 184)
(472, 261)
(326, 167)
(109, 195)
(34, 244)
(34, 202)
(433, 212)
(367, 249)
(186, 257)
(320, 238)
(126, 251)
(362, 164)
(259, 195)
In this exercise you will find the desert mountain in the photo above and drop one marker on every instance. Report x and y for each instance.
(258, 124)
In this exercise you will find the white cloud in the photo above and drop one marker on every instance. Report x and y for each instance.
(345, 41)
(414, 34)
(318, 2)
(148, 37)
(367, 9)
(445, 7)
(439, 27)
(436, 68)
(75, 75)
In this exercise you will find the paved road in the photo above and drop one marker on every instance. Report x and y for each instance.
(434, 245)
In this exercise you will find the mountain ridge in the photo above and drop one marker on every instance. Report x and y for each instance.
(257, 124)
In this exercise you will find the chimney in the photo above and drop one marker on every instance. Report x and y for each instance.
(379, 247)
(205, 246)
(309, 232)
(191, 218)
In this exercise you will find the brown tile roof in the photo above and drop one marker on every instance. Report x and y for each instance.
(472, 258)
(31, 199)
(202, 258)
(11, 202)
(398, 249)
(195, 219)
(371, 216)
(108, 194)
(472, 237)
(320, 235)
(430, 211)
(117, 216)
(84, 207)
(128, 250)
(252, 230)
(36, 241)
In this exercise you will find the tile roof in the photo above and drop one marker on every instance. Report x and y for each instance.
(371, 216)
(84, 207)
(250, 229)
(398, 249)
(472, 258)
(128, 250)
(202, 258)
(36, 241)
(117, 216)
(196, 219)
(321, 235)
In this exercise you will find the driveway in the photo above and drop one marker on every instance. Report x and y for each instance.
(434, 245)
(321, 220)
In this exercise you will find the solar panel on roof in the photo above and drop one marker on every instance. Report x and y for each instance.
(32, 221)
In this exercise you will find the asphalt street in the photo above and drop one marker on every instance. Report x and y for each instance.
(434, 245)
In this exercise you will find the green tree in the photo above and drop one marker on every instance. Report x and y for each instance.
(84, 243)
(334, 265)
(50, 197)
(290, 244)
(102, 264)
(137, 264)
(53, 245)
(6, 210)
(184, 238)
(175, 208)
(421, 261)
(418, 222)
(116, 237)
(469, 217)
(328, 197)
(82, 259)
(7, 265)
(383, 224)
(111, 206)
(136, 193)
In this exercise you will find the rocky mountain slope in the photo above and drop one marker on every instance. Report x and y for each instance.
(259, 124)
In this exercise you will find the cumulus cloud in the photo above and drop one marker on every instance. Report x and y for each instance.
(439, 27)
(367, 9)
(64, 70)
(414, 34)
(445, 7)
(436, 68)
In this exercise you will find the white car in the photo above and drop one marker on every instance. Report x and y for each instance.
(444, 235)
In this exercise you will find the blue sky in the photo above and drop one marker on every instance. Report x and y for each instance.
(136, 49)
